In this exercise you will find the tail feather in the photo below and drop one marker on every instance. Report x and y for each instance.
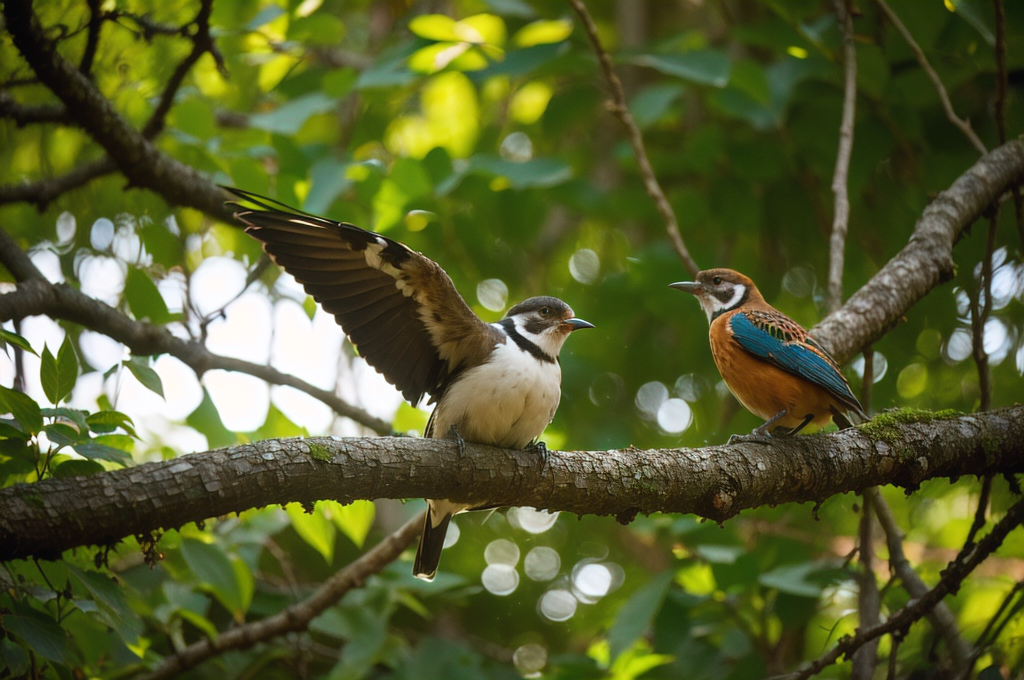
(428, 554)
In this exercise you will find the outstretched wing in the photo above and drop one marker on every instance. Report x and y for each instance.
(398, 307)
(781, 341)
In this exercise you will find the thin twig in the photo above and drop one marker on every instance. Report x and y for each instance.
(952, 577)
(868, 600)
(298, 616)
(35, 295)
(93, 41)
(41, 193)
(1000, 11)
(840, 178)
(963, 125)
(979, 515)
(618, 106)
(981, 306)
(941, 617)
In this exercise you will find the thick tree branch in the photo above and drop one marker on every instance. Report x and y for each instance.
(618, 106)
(927, 260)
(952, 576)
(61, 301)
(717, 482)
(137, 157)
(298, 616)
(941, 617)
(840, 178)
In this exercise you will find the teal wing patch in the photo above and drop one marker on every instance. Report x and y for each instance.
(780, 341)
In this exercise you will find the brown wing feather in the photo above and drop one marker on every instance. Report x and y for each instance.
(419, 340)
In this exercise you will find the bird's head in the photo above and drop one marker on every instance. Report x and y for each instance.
(545, 321)
(719, 290)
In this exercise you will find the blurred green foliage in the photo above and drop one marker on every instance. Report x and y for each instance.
(480, 139)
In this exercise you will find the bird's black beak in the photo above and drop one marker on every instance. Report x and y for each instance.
(576, 324)
(691, 287)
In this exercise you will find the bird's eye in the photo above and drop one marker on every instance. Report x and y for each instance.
(544, 311)
(717, 280)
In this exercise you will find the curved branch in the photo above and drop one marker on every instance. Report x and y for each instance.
(298, 616)
(963, 125)
(952, 576)
(717, 482)
(618, 106)
(941, 616)
(44, 191)
(140, 161)
(927, 260)
(61, 301)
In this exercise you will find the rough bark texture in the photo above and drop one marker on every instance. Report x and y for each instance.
(927, 260)
(902, 448)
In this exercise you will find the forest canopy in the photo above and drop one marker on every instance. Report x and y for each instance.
(201, 476)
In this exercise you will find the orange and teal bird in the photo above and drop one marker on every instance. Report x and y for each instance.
(770, 363)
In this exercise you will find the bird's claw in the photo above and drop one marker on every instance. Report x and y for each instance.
(541, 449)
(758, 436)
(460, 443)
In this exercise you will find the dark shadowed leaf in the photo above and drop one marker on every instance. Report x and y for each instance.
(703, 67)
(112, 601)
(213, 569)
(77, 468)
(105, 422)
(95, 451)
(42, 635)
(636, 615)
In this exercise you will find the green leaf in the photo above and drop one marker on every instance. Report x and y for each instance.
(535, 173)
(214, 570)
(67, 369)
(434, 27)
(543, 32)
(703, 67)
(42, 635)
(354, 520)
(77, 468)
(48, 374)
(62, 434)
(23, 408)
(96, 451)
(113, 603)
(314, 528)
(14, 657)
(635, 617)
(145, 375)
(977, 15)
(104, 422)
(144, 299)
(16, 340)
(289, 118)
(792, 579)
(651, 103)
(207, 421)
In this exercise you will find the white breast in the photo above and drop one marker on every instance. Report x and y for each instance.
(505, 402)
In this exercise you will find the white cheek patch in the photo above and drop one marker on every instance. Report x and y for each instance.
(549, 340)
(712, 305)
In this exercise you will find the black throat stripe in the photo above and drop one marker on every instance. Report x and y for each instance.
(540, 355)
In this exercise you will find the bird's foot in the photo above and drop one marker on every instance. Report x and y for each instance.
(758, 436)
(541, 449)
(460, 443)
